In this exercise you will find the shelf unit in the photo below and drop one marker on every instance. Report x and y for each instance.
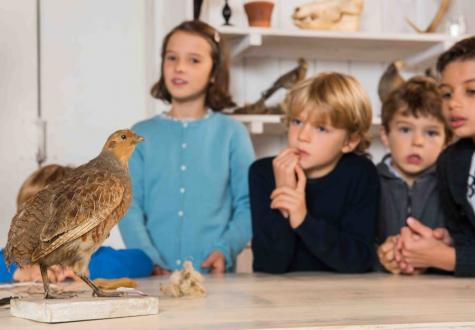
(417, 50)
(256, 123)
(274, 124)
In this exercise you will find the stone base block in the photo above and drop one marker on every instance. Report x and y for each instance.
(82, 308)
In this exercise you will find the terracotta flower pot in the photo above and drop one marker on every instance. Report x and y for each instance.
(259, 13)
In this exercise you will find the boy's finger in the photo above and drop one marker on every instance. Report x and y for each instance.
(301, 179)
(394, 239)
(443, 235)
(290, 162)
(389, 256)
(388, 245)
(438, 233)
(385, 247)
(418, 227)
(284, 153)
(406, 235)
(282, 191)
(276, 203)
(280, 205)
(284, 213)
(393, 267)
(398, 249)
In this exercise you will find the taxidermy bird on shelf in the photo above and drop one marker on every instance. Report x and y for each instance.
(287, 81)
(390, 80)
(68, 220)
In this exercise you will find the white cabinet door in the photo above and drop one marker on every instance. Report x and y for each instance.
(94, 60)
(18, 103)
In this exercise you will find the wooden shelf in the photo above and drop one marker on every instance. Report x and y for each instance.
(418, 50)
(255, 123)
(274, 124)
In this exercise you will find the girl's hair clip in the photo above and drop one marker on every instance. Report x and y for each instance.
(217, 38)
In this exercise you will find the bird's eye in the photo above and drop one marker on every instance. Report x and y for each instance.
(123, 137)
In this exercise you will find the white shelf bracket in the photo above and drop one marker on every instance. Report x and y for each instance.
(256, 127)
(248, 41)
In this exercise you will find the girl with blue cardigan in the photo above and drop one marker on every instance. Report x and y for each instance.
(189, 177)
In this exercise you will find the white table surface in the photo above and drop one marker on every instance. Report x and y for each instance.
(303, 300)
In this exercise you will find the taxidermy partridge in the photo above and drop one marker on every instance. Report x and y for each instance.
(68, 220)
(390, 80)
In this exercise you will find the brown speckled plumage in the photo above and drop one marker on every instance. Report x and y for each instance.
(68, 220)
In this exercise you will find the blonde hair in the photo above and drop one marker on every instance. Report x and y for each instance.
(38, 180)
(333, 98)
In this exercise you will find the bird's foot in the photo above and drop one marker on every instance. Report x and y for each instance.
(49, 295)
(102, 293)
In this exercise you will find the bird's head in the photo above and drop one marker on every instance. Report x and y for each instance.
(303, 62)
(122, 143)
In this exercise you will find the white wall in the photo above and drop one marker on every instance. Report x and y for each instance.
(18, 102)
(96, 62)
(93, 73)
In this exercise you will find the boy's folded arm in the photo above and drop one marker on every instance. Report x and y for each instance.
(348, 246)
(273, 243)
(273, 240)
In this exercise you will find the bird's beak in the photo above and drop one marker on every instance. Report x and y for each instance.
(138, 139)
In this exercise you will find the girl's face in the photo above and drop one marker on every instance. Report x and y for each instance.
(187, 66)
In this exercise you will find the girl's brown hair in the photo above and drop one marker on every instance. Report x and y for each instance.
(217, 93)
(334, 98)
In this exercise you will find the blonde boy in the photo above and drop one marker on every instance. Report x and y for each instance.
(415, 131)
(314, 206)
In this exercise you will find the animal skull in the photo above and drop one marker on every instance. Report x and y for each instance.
(342, 15)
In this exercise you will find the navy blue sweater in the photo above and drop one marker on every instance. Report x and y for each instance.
(339, 230)
(453, 169)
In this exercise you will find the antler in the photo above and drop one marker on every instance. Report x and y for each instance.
(443, 7)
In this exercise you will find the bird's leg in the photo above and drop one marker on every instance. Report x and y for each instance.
(48, 294)
(44, 276)
(98, 291)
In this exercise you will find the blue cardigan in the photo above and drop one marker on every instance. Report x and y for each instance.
(105, 263)
(190, 190)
